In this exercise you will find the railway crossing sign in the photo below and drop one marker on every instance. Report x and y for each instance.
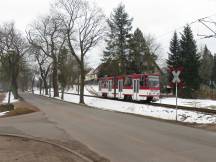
(176, 78)
(175, 72)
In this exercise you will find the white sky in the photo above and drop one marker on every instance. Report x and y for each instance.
(157, 17)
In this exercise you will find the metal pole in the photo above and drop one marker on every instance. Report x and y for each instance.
(176, 101)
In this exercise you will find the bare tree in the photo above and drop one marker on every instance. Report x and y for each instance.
(44, 65)
(26, 74)
(84, 26)
(45, 34)
(13, 47)
(154, 48)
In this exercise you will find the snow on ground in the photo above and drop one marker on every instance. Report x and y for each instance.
(3, 113)
(142, 109)
(12, 100)
(90, 90)
(198, 103)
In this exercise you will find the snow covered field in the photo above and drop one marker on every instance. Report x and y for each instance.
(198, 103)
(90, 90)
(6, 101)
(142, 109)
(12, 100)
(3, 113)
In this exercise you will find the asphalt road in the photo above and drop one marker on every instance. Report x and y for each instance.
(127, 138)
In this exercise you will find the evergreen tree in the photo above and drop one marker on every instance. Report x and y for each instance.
(140, 52)
(65, 66)
(138, 48)
(206, 66)
(213, 76)
(174, 59)
(117, 43)
(190, 62)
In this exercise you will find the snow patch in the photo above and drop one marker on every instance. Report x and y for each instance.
(143, 109)
(197, 103)
(12, 100)
(3, 113)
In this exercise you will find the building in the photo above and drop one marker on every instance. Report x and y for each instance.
(92, 75)
(148, 65)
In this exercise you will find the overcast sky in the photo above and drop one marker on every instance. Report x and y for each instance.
(156, 17)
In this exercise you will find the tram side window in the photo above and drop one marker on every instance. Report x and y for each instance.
(142, 81)
(104, 84)
(110, 85)
(128, 81)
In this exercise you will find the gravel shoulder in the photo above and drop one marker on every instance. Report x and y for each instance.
(26, 150)
(37, 125)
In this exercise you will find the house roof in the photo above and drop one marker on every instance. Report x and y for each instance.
(95, 71)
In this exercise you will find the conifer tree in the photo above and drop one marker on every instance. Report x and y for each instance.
(206, 66)
(138, 48)
(117, 42)
(190, 62)
(174, 59)
(213, 75)
(65, 66)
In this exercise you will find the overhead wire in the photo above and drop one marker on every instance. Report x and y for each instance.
(182, 26)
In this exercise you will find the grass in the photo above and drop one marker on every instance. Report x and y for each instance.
(21, 108)
(19, 111)
(17, 108)
(6, 107)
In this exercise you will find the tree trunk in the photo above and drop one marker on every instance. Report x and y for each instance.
(82, 83)
(9, 96)
(32, 84)
(78, 86)
(40, 80)
(45, 86)
(50, 82)
(14, 87)
(55, 80)
(14, 75)
(63, 91)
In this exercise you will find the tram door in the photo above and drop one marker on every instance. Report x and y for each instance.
(136, 87)
(120, 88)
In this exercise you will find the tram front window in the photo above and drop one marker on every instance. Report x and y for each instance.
(153, 81)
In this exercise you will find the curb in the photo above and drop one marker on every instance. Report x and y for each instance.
(48, 142)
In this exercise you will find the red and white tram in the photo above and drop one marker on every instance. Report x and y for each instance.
(138, 87)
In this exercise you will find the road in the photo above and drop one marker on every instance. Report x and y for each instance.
(127, 138)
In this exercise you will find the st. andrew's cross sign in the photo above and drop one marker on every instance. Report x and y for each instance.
(176, 72)
(175, 76)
